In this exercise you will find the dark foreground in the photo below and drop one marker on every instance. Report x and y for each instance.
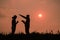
(32, 36)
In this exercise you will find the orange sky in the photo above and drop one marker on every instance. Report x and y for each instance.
(49, 8)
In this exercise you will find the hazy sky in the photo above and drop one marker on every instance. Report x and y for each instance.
(50, 10)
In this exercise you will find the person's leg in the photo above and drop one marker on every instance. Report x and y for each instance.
(13, 30)
(27, 30)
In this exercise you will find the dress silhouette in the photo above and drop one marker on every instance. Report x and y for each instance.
(26, 23)
(14, 23)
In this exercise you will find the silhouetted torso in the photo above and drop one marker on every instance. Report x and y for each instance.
(14, 22)
(27, 21)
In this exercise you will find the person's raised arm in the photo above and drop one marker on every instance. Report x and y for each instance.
(17, 22)
(22, 16)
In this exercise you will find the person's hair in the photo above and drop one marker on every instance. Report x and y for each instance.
(14, 16)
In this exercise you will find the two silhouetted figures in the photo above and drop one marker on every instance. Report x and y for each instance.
(26, 23)
(14, 23)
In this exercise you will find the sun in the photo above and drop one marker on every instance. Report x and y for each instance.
(40, 15)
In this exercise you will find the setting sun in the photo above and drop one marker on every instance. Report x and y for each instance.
(40, 15)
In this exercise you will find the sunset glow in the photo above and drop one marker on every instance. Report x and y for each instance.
(40, 15)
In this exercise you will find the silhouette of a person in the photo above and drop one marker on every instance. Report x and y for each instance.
(26, 23)
(14, 23)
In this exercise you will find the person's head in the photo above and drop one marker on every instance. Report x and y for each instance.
(28, 15)
(14, 17)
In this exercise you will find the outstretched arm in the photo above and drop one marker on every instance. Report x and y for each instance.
(22, 16)
(23, 21)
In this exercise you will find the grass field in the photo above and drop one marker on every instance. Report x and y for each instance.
(31, 36)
